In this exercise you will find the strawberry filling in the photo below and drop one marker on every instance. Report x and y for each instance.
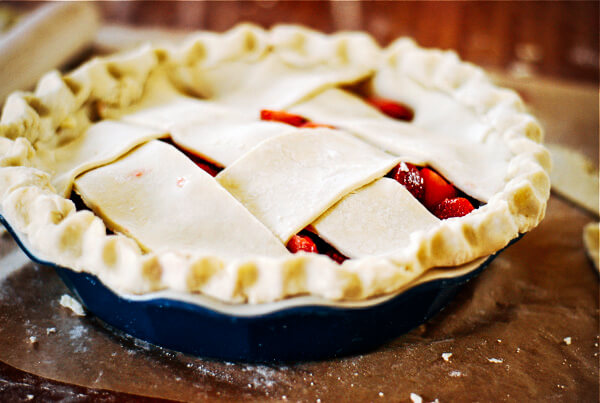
(211, 169)
(436, 188)
(208, 167)
(307, 241)
(290, 119)
(313, 125)
(283, 117)
(393, 109)
(302, 243)
(455, 207)
(410, 176)
(433, 191)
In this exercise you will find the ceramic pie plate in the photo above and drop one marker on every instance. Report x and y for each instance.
(295, 329)
(271, 305)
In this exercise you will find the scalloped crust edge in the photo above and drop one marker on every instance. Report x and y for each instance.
(58, 110)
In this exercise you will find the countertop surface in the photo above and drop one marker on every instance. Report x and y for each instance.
(526, 329)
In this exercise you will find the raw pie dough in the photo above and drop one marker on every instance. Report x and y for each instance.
(177, 228)
(160, 182)
(575, 177)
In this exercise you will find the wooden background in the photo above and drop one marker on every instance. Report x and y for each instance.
(558, 38)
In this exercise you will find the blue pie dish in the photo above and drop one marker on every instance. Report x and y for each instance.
(296, 329)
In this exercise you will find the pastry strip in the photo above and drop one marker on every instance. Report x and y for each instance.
(103, 143)
(374, 220)
(289, 180)
(159, 197)
(476, 168)
(223, 141)
(575, 177)
(272, 84)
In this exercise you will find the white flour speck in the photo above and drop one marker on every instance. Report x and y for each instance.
(455, 374)
(76, 335)
(496, 360)
(567, 341)
(446, 356)
(262, 376)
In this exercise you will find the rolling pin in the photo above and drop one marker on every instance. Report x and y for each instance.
(44, 40)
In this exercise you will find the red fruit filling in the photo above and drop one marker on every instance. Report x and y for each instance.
(310, 242)
(393, 109)
(290, 119)
(410, 176)
(436, 189)
(301, 243)
(455, 207)
(430, 188)
(313, 125)
(211, 169)
(283, 117)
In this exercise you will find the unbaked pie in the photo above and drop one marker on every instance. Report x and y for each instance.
(256, 165)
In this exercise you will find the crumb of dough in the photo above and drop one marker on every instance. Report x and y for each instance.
(446, 356)
(575, 177)
(69, 302)
(455, 374)
(496, 360)
(567, 341)
(416, 398)
(33, 339)
(50, 330)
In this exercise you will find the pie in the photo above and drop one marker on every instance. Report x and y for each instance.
(256, 165)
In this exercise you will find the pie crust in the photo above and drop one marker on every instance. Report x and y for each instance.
(478, 136)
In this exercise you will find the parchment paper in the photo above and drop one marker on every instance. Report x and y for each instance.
(506, 331)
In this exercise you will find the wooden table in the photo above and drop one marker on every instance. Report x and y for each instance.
(506, 329)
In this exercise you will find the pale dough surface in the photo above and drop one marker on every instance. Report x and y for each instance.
(252, 87)
(102, 143)
(476, 168)
(289, 180)
(575, 177)
(222, 141)
(157, 196)
(376, 219)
